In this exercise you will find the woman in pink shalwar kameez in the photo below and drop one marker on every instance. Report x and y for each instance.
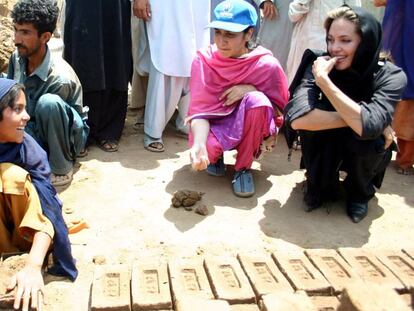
(237, 95)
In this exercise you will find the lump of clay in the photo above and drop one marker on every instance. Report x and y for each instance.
(186, 198)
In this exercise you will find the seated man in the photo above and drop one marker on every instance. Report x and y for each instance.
(53, 91)
(30, 211)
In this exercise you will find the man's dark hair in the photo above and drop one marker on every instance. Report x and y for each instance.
(42, 14)
(9, 99)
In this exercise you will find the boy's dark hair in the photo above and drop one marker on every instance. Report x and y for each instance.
(9, 99)
(42, 14)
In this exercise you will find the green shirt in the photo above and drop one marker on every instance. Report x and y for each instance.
(53, 76)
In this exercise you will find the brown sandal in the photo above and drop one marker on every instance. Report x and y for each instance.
(108, 145)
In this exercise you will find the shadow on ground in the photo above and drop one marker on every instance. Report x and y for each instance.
(326, 227)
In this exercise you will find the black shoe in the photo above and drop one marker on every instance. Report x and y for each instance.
(312, 201)
(357, 211)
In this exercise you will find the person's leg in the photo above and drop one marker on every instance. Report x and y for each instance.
(183, 106)
(405, 156)
(365, 162)
(113, 113)
(53, 121)
(163, 95)
(403, 124)
(321, 157)
(256, 128)
(139, 83)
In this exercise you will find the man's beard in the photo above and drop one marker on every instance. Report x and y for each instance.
(25, 52)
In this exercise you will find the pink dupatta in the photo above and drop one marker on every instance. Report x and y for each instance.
(212, 74)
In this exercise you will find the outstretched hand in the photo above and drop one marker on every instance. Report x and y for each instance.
(199, 157)
(142, 9)
(30, 287)
(321, 67)
(236, 93)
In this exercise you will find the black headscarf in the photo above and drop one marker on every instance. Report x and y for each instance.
(356, 80)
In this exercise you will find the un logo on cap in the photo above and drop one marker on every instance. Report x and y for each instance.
(227, 8)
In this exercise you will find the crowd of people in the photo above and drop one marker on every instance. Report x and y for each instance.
(344, 100)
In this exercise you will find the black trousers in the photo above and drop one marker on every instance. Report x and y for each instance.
(325, 153)
(107, 112)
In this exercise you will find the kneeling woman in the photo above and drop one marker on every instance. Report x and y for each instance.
(343, 105)
(236, 96)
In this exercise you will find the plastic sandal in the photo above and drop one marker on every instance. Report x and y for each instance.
(217, 169)
(243, 185)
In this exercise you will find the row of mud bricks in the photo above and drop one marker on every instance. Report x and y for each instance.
(317, 279)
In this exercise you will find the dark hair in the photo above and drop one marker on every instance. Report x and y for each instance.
(346, 13)
(42, 14)
(9, 99)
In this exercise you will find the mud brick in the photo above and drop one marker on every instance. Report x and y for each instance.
(189, 278)
(263, 275)
(325, 303)
(362, 296)
(409, 252)
(191, 303)
(244, 307)
(150, 286)
(369, 268)
(301, 273)
(111, 288)
(282, 301)
(400, 264)
(408, 300)
(61, 295)
(333, 267)
(228, 280)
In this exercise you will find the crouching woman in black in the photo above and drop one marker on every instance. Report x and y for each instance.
(342, 105)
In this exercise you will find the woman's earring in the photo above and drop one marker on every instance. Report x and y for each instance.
(251, 45)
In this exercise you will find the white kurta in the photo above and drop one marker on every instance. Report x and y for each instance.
(308, 32)
(276, 34)
(176, 30)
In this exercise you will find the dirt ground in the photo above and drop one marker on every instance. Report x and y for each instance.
(126, 199)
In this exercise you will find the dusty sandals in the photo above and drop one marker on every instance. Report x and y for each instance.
(153, 144)
(61, 180)
(108, 145)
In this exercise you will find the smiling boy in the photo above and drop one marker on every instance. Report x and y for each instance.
(53, 91)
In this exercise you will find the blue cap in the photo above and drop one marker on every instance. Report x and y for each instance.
(5, 86)
(234, 16)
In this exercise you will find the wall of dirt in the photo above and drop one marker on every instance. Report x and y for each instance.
(6, 42)
(6, 33)
(6, 6)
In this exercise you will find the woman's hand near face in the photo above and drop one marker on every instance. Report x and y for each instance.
(236, 93)
(321, 68)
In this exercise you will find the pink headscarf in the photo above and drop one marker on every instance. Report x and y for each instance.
(212, 74)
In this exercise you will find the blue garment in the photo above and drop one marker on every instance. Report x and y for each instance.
(398, 38)
(29, 156)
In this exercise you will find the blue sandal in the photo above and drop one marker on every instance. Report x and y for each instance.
(243, 185)
(217, 169)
